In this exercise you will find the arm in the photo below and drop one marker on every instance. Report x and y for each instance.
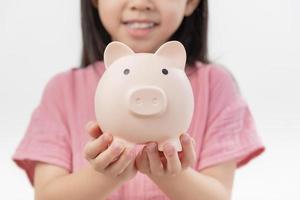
(110, 166)
(55, 183)
(214, 183)
(172, 173)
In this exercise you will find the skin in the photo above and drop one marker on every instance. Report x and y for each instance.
(108, 157)
(112, 164)
(168, 14)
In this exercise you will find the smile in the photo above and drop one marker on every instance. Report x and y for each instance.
(140, 25)
(140, 28)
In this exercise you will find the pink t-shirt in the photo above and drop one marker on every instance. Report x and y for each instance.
(222, 125)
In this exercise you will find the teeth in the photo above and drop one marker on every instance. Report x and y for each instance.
(140, 25)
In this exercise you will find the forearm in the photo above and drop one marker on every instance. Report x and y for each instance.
(85, 184)
(192, 185)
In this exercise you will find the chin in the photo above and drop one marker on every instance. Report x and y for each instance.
(140, 47)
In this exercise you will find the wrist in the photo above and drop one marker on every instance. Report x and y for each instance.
(168, 177)
(105, 178)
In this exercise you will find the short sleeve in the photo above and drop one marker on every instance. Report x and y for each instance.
(46, 138)
(230, 132)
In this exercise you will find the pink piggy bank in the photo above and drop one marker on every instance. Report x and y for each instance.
(143, 97)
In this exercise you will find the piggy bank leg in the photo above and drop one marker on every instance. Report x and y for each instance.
(174, 141)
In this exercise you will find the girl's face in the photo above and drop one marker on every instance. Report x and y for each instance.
(144, 25)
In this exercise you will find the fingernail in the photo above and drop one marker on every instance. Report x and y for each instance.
(117, 148)
(107, 136)
(151, 147)
(89, 124)
(131, 154)
(185, 139)
(169, 149)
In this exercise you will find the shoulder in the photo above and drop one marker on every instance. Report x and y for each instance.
(216, 75)
(216, 71)
(220, 74)
(76, 73)
(75, 76)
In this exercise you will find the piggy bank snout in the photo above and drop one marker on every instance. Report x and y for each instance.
(147, 101)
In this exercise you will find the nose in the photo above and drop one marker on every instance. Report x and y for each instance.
(140, 5)
(147, 101)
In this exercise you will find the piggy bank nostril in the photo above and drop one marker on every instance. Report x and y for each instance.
(154, 100)
(138, 100)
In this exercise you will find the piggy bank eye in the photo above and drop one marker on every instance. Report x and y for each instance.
(126, 71)
(165, 71)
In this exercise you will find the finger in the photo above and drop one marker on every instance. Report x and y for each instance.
(189, 154)
(173, 162)
(94, 148)
(108, 156)
(129, 171)
(162, 158)
(119, 166)
(142, 162)
(156, 167)
(93, 129)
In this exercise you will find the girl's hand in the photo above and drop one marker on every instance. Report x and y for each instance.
(154, 163)
(107, 157)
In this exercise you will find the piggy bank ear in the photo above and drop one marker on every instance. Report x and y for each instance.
(175, 51)
(114, 51)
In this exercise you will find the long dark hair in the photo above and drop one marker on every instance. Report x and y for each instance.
(192, 33)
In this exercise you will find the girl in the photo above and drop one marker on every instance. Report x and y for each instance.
(67, 158)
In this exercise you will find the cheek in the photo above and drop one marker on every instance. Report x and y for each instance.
(173, 18)
(106, 18)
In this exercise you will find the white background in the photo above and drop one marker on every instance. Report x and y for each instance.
(257, 40)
